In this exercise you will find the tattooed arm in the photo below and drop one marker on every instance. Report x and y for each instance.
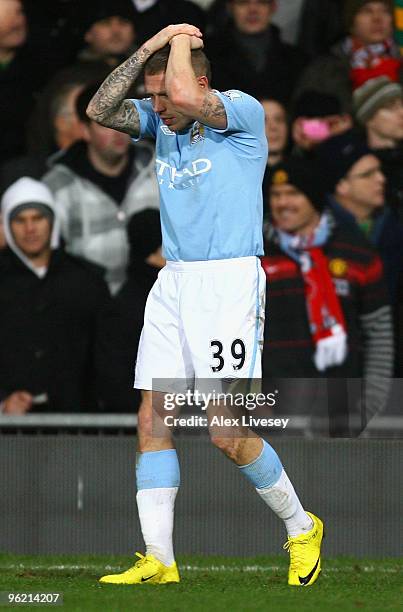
(109, 107)
(190, 94)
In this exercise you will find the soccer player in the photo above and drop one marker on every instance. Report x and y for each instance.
(204, 315)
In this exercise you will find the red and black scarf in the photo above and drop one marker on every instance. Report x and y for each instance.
(325, 315)
(371, 61)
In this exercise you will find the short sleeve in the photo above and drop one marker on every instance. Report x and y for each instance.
(244, 113)
(148, 119)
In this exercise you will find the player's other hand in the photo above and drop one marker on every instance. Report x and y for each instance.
(164, 36)
(195, 42)
(18, 402)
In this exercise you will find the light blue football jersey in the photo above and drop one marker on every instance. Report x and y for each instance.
(210, 181)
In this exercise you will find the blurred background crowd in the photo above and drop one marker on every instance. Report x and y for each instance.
(80, 239)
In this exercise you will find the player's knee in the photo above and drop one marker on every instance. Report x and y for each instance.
(228, 446)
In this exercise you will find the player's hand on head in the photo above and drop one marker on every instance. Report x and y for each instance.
(195, 42)
(184, 28)
(164, 36)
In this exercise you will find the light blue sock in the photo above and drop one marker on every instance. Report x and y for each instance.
(265, 470)
(158, 481)
(157, 469)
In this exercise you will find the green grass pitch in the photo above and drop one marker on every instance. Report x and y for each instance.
(209, 584)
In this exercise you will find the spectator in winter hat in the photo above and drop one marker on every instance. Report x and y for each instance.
(327, 303)
(385, 129)
(30, 225)
(378, 108)
(110, 32)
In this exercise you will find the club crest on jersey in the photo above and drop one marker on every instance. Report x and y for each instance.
(232, 95)
(197, 133)
(338, 267)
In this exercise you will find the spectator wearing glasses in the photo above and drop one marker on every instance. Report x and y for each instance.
(378, 108)
(357, 184)
(249, 55)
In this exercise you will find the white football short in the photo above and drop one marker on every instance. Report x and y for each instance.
(203, 320)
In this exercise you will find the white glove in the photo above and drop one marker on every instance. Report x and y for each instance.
(331, 351)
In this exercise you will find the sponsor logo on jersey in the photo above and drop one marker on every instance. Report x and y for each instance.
(182, 178)
(232, 95)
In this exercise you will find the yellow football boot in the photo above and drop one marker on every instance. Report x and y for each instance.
(147, 570)
(305, 555)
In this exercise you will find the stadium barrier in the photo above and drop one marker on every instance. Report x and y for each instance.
(67, 486)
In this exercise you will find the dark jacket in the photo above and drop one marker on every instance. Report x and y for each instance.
(48, 328)
(392, 166)
(56, 32)
(321, 25)
(399, 330)
(358, 277)
(233, 69)
(386, 236)
(19, 81)
(119, 339)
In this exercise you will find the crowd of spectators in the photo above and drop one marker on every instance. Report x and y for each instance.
(80, 243)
